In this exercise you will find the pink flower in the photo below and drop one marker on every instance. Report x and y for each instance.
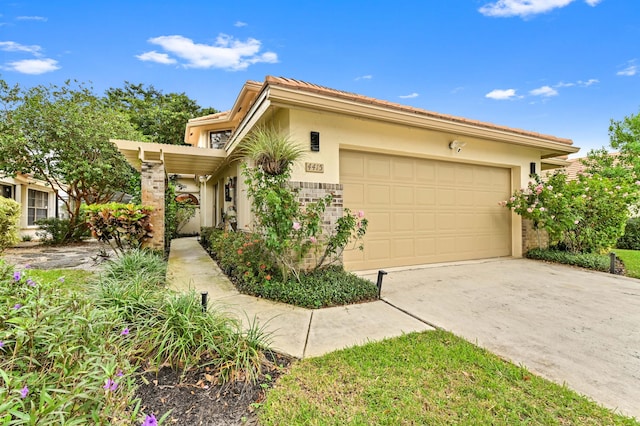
(530, 210)
(313, 239)
(360, 214)
(575, 222)
(296, 226)
(512, 199)
(542, 209)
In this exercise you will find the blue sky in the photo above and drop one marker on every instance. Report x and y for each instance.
(560, 67)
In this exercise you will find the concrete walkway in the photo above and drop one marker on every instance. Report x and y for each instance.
(295, 331)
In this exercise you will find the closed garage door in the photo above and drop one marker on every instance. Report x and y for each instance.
(425, 211)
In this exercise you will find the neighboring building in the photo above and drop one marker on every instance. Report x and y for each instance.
(429, 183)
(36, 197)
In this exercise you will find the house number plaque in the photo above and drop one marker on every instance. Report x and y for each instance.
(314, 167)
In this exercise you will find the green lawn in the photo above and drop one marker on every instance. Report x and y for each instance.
(431, 378)
(631, 260)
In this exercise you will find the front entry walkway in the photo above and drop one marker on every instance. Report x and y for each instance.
(295, 331)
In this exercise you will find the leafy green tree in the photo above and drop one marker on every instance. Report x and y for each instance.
(162, 117)
(61, 134)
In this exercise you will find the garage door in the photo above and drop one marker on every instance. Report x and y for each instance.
(425, 211)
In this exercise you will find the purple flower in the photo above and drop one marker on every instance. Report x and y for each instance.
(61, 279)
(27, 266)
(119, 373)
(24, 392)
(125, 331)
(31, 282)
(17, 306)
(16, 276)
(110, 385)
(150, 420)
(1, 343)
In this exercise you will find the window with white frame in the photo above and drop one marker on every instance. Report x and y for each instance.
(38, 206)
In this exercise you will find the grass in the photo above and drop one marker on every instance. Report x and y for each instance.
(429, 378)
(631, 260)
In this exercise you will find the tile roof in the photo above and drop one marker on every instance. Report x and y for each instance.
(309, 87)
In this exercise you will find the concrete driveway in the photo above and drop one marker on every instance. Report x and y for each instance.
(569, 325)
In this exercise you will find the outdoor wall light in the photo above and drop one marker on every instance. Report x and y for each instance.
(315, 141)
(532, 168)
(456, 145)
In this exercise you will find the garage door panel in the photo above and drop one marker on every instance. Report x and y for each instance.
(354, 192)
(403, 221)
(425, 196)
(403, 195)
(378, 221)
(403, 248)
(378, 194)
(403, 170)
(425, 211)
(378, 168)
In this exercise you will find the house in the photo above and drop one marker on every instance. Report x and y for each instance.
(429, 183)
(36, 197)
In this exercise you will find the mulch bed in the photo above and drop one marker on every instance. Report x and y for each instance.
(195, 397)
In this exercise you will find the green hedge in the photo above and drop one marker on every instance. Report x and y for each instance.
(598, 262)
(243, 257)
(631, 238)
(9, 222)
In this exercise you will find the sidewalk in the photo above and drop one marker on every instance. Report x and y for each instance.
(295, 331)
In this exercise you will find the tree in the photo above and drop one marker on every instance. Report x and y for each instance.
(161, 117)
(60, 134)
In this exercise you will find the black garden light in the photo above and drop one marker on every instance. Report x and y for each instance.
(381, 275)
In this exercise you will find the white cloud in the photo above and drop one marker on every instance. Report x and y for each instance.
(33, 66)
(630, 70)
(153, 56)
(524, 8)
(588, 83)
(457, 90)
(12, 46)
(545, 91)
(501, 95)
(32, 18)
(364, 77)
(240, 24)
(411, 96)
(226, 53)
(563, 84)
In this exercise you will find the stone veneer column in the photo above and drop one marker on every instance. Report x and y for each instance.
(152, 177)
(532, 238)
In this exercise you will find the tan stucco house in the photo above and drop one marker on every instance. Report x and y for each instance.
(37, 200)
(429, 183)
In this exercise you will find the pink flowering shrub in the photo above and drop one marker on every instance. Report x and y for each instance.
(587, 214)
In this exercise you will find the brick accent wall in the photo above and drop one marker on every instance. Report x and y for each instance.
(532, 238)
(310, 192)
(153, 181)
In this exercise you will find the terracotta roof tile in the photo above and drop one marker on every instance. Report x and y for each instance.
(309, 87)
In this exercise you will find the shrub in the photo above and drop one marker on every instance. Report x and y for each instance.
(61, 361)
(122, 226)
(59, 231)
(9, 222)
(631, 238)
(597, 262)
(243, 257)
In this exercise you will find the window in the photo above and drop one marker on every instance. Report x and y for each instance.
(7, 191)
(38, 206)
(218, 138)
